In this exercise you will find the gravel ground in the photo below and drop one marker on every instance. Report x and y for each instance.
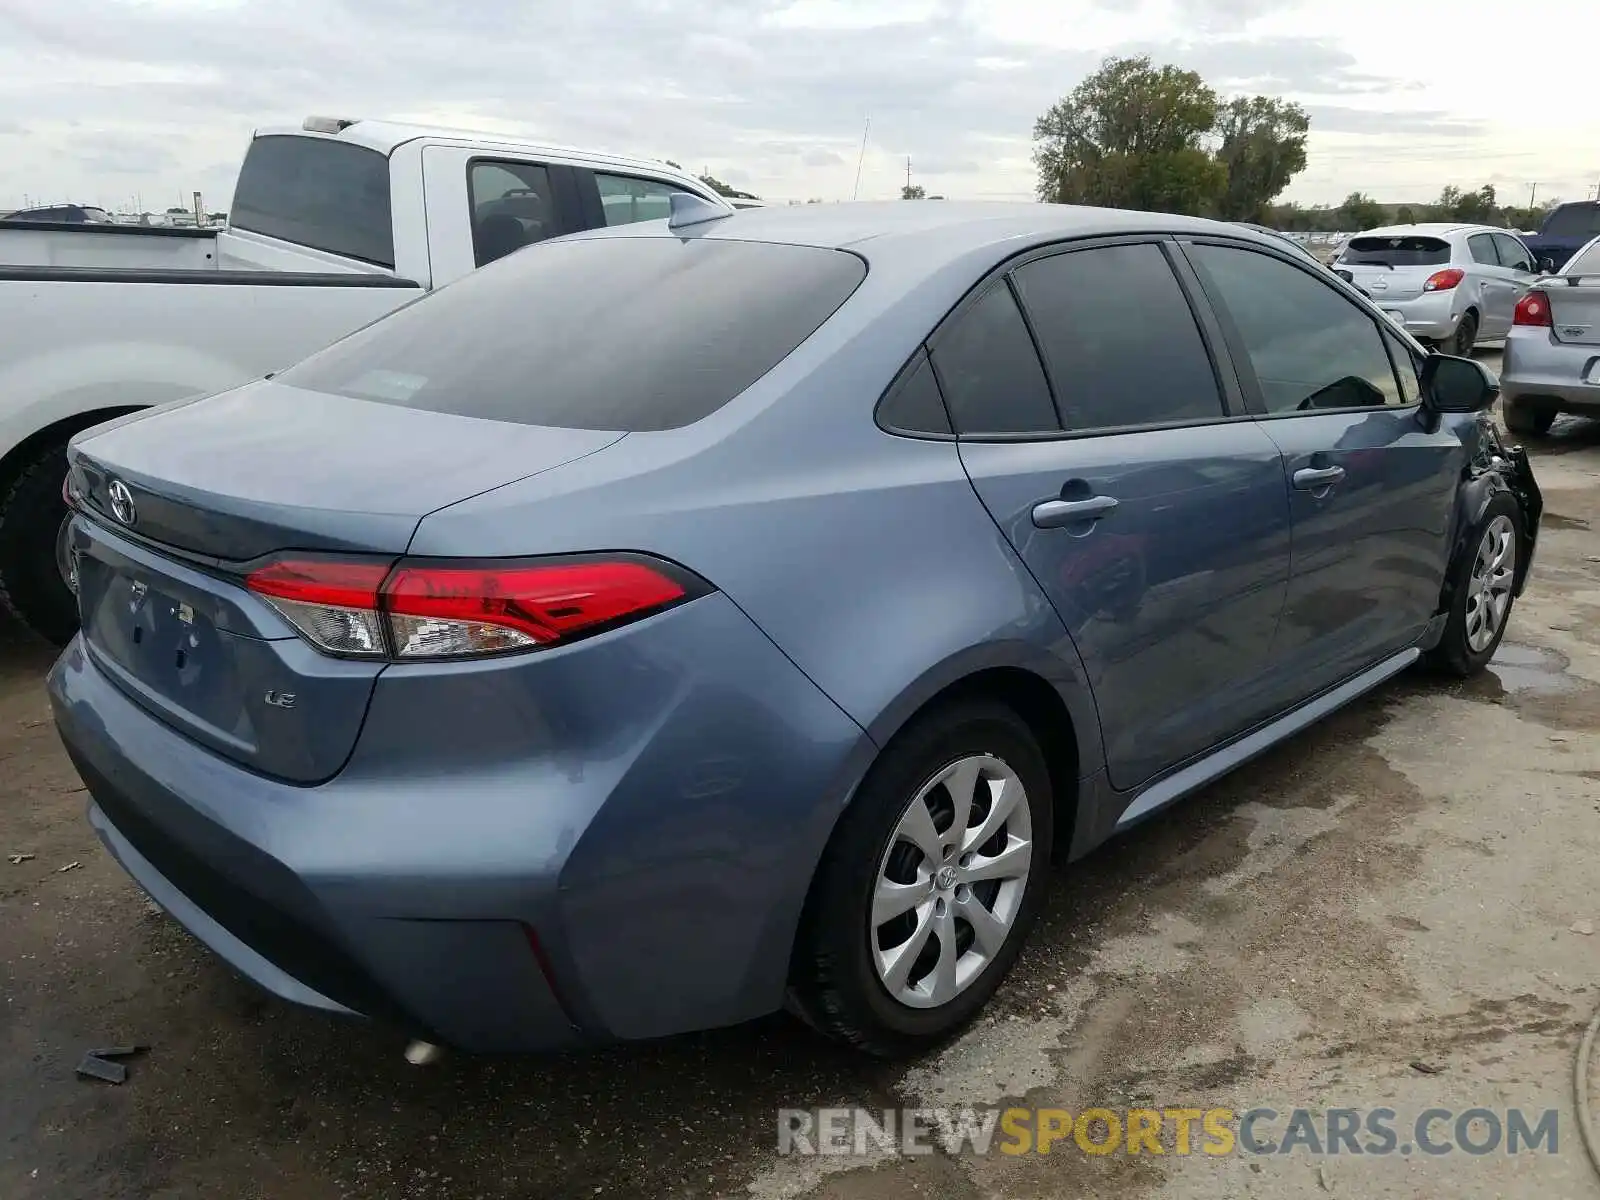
(1405, 884)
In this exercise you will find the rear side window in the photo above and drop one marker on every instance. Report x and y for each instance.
(317, 192)
(913, 403)
(1573, 220)
(989, 371)
(511, 207)
(632, 334)
(1118, 338)
(1396, 252)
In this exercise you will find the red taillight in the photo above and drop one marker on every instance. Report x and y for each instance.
(1533, 310)
(1443, 281)
(428, 609)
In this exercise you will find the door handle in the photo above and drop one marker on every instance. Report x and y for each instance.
(1052, 514)
(1311, 479)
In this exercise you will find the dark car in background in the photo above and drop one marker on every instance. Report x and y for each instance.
(1567, 228)
(668, 624)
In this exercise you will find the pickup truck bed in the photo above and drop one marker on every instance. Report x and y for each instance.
(333, 226)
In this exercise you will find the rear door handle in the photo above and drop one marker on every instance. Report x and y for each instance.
(1311, 479)
(1052, 514)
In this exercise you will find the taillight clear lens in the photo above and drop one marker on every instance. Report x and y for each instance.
(430, 610)
(1533, 310)
(334, 605)
(1443, 281)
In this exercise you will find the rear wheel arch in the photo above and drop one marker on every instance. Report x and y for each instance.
(31, 513)
(1018, 707)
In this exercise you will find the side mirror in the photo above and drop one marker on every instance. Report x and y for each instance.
(1547, 266)
(1458, 385)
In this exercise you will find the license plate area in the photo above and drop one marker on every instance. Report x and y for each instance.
(166, 643)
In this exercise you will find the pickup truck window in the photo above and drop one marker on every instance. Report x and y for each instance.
(1579, 219)
(627, 200)
(630, 334)
(511, 207)
(317, 192)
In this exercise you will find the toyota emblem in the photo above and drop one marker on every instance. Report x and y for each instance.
(122, 502)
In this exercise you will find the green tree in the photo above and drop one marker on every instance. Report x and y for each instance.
(726, 189)
(1481, 206)
(1263, 147)
(1359, 211)
(1131, 136)
(913, 191)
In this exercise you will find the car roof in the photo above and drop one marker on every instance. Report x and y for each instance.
(1437, 229)
(933, 232)
(387, 136)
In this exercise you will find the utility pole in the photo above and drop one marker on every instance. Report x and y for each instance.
(1533, 190)
(862, 159)
(908, 172)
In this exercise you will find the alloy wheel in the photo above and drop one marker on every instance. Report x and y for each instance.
(1489, 586)
(951, 883)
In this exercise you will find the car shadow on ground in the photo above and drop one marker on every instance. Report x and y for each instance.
(238, 1085)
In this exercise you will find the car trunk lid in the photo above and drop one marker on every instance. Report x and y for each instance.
(1575, 309)
(178, 505)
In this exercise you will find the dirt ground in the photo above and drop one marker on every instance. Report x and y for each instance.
(1397, 886)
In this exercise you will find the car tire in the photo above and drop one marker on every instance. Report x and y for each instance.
(1535, 419)
(1465, 336)
(847, 980)
(1483, 580)
(32, 514)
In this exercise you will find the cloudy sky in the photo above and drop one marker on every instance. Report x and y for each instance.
(105, 101)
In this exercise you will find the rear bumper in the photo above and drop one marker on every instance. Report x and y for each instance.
(1537, 368)
(1433, 316)
(662, 878)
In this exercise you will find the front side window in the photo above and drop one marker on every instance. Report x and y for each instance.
(1481, 247)
(511, 207)
(626, 200)
(1118, 338)
(1513, 253)
(1407, 366)
(1310, 348)
(990, 372)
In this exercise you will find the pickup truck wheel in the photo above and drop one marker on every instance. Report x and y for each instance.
(1483, 577)
(31, 584)
(1529, 418)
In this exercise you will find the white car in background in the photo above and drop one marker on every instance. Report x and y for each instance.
(1451, 285)
(1552, 358)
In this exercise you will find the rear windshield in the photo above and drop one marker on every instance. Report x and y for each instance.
(1586, 262)
(628, 333)
(1581, 220)
(317, 192)
(1396, 252)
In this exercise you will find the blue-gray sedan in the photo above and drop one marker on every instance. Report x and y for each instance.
(669, 624)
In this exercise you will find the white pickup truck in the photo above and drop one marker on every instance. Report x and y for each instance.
(332, 226)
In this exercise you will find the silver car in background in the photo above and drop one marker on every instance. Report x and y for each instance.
(1552, 356)
(1449, 284)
